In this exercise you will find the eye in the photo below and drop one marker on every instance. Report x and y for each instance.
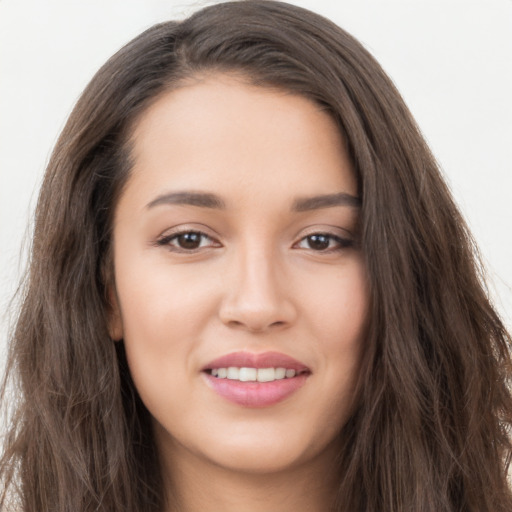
(187, 241)
(324, 242)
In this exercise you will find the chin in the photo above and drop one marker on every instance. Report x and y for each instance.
(264, 452)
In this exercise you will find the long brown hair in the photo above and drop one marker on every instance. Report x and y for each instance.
(430, 432)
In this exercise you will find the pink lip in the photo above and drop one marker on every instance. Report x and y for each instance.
(256, 394)
(263, 360)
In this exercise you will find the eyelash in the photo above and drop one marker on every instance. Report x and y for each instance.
(167, 240)
(341, 243)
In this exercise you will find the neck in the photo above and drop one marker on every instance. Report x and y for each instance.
(195, 484)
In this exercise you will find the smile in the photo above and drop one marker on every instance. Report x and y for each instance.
(255, 380)
(245, 374)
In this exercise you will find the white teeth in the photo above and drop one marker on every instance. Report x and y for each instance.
(280, 373)
(253, 374)
(266, 374)
(233, 373)
(248, 374)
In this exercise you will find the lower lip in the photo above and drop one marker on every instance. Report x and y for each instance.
(256, 394)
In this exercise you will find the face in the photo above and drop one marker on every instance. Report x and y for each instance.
(241, 292)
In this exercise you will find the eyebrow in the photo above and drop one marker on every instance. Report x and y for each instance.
(202, 199)
(302, 204)
(326, 201)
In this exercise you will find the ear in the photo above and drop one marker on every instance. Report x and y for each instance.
(114, 318)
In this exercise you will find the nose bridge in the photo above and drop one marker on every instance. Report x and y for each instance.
(257, 298)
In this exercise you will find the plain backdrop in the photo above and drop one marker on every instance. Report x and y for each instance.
(451, 60)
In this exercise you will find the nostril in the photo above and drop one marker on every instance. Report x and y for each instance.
(256, 327)
(235, 323)
(256, 313)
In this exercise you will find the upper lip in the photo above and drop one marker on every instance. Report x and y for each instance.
(252, 360)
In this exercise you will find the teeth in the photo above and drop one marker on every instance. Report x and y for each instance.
(233, 373)
(280, 373)
(253, 374)
(248, 374)
(266, 374)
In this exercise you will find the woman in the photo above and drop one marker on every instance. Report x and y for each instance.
(251, 289)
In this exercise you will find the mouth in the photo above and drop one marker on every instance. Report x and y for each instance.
(256, 380)
(245, 374)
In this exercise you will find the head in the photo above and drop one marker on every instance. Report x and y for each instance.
(425, 317)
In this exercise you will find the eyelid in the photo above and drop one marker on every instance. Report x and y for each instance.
(334, 232)
(164, 240)
(326, 229)
(342, 243)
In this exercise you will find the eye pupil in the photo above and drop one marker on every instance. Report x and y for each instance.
(318, 242)
(189, 240)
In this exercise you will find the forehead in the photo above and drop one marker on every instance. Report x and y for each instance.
(224, 135)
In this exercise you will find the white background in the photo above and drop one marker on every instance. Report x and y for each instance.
(451, 60)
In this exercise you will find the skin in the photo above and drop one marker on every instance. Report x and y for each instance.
(255, 282)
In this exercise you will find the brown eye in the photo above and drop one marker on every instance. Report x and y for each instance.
(189, 241)
(324, 242)
(318, 242)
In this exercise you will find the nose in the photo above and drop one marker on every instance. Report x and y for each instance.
(257, 296)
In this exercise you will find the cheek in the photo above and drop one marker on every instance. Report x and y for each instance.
(339, 317)
(162, 329)
(157, 298)
(338, 306)
(163, 312)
